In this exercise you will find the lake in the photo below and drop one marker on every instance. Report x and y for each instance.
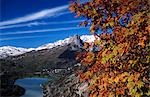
(32, 86)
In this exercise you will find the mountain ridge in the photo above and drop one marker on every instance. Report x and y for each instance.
(6, 51)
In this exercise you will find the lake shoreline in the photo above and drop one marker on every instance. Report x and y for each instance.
(32, 86)
(20, 91)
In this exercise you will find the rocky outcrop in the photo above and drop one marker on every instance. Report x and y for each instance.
(67, 86)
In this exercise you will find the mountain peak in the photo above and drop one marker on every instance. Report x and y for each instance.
(6, 51)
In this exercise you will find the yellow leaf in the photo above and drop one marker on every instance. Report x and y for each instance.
(133, 91)
(111, 94)
(148, 93)
(140, 84)
(130, 85)
(130, 61)
(86, 7)
(116, 79)
(126, 74)
(92, 29)
(130, 79)
(137, 94)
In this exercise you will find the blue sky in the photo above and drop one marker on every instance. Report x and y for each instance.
(31, 23)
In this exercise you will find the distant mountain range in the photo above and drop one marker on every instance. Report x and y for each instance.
(7, 51)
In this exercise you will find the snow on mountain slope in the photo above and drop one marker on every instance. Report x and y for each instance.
(12, 51)
(57, 43)
(85, 38)
(6, 51)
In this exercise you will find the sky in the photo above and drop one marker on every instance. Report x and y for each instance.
(32, 23)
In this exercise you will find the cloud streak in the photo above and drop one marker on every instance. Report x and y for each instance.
(44, 30)
(23, 37)
(38, 24)
(38, 15)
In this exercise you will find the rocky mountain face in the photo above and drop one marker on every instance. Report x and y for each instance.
(67, 86)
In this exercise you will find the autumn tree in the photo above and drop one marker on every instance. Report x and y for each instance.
(121, 66)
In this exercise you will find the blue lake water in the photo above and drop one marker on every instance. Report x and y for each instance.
(32, 86)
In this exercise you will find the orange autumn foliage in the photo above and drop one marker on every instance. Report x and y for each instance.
(121, 67)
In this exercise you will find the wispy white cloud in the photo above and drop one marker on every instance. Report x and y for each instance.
(62, 13)
(39, 23)
(20, 25)
(38, 15)
(46, 30)
(22, 37)
(43, 30)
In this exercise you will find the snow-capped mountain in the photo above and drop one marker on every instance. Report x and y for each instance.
(12, 51)
(6, 51)
(85, 38)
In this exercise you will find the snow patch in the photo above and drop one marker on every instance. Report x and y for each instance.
(12, 51)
